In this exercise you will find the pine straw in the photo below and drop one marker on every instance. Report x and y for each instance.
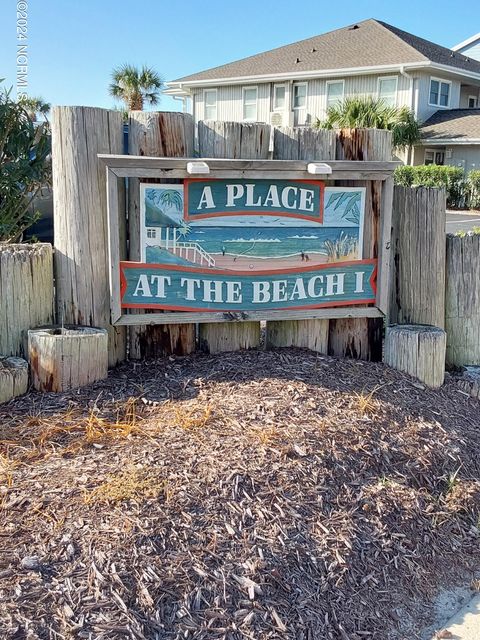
(249, 496)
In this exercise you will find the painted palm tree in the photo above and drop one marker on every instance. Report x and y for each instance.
(172, 198)
(135, 86)
(351, 200)
(35, 106)
(369, 113)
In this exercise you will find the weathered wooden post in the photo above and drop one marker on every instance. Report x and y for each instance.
(309, 145)
(418, 350)
(13, 378)
(462, 304)
(26, 293)
(80, 218)
(64, 358)
(362, 337)
(231, 140)
(156, 134)
(418, 248)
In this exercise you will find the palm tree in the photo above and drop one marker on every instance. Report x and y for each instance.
(369, 113)
(136, 86)
(34, 107)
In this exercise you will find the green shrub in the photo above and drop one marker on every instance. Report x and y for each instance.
(473, 186)
(24, 166)
(432, 175)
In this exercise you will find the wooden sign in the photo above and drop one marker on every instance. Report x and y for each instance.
(252, 240)
(227, 245)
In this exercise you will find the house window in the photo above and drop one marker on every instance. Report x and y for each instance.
(434, 157)
(279, 94)
(387, 90)
(300, 95)
(151, 233)
(335, 92)
(250, 103)
(210, 101)
(472, 102)
(439, 93)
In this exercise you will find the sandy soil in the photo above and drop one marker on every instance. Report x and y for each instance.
(246, 263)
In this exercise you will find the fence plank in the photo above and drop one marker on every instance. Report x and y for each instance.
(418, 252)
(26, 293)
(362, 338)
(231, 140)
(462, 303)
(301, 143)
(161, 134)
(80, 218)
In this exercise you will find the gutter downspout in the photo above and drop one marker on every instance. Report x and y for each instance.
(405, 74)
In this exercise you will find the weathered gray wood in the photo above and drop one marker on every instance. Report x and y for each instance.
(385, 247)
(80, 217)
(231, 140)
(13, 378)
(26, 293)
(306, 334)
(303, 143)
(67, 358)
(418, 248)
(248, 316)
(462, 303)
(418, 350)
(218, 338)
(236, 164)
(362, 338)
(309, 145)
(162, 134)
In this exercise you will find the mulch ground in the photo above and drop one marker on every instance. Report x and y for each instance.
(253, 495)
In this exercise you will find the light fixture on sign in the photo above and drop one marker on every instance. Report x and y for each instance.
(319, 168)
(197, 167)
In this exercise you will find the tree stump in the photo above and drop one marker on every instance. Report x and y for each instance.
(68, 357)
(13, 378)
(418, 350)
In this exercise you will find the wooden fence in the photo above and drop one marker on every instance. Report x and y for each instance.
(418, 292)
(462, 313)
(26, 294)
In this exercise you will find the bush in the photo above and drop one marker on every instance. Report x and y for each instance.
(473, 186)
(433, 175)
(24, 166)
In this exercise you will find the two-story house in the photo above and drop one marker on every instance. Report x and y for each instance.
(295, 84)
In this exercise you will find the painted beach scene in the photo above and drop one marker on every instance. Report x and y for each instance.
(250, 242)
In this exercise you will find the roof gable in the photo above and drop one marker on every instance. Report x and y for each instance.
(370, 43)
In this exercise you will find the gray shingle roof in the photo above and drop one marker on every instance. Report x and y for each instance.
(370, 43)
(454, 125)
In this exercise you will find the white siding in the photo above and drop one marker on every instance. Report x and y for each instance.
(465, 92)
(465, 156)
(230, 106)
(472, 50)
(423, 109)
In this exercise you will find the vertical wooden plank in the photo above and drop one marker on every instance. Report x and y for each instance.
(301, 143)
(156, 134)
(231, 140)
(362, 337)
(462, 304)
(385, 248)
(80, 218)
(419, 244)
(26, 293)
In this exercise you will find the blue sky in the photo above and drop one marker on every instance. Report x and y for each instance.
(74, 44)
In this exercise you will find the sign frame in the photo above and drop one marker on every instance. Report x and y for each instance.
(119, 167)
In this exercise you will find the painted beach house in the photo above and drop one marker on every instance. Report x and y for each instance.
(295, 84)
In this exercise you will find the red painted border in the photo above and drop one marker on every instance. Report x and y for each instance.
(278, 272)
(251, 212)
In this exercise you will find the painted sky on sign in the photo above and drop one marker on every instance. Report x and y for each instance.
(74, 45)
